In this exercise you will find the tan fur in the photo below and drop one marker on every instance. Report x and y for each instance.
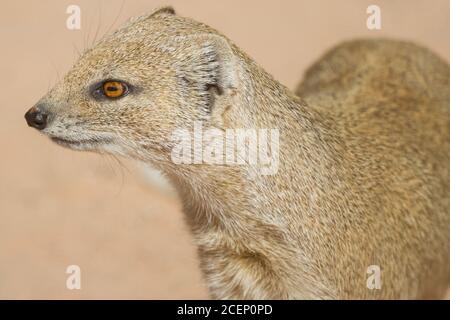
(364, 173)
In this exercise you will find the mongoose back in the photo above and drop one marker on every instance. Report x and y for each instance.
(364, 156)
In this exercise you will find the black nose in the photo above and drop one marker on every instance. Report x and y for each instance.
(36, 118)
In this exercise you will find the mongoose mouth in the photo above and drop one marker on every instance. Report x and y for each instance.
(78, 143)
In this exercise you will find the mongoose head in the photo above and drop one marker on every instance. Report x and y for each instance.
(128, 93)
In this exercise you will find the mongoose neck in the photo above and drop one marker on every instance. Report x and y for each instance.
(215, 194)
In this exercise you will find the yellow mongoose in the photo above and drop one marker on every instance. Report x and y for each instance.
(364, 160)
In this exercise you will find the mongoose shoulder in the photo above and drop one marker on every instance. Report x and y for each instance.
(364, 156)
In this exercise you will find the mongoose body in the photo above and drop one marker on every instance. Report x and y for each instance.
(364, 159)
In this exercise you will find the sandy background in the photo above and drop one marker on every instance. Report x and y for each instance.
(59, 207)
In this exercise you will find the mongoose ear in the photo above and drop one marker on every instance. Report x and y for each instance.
(219, 53)
(163, 10)
(211, 65)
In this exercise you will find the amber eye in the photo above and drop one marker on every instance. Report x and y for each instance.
(114, 89)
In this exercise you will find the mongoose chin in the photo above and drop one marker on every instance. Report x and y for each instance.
(364, 156)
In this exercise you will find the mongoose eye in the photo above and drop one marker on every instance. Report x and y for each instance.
(114, 89)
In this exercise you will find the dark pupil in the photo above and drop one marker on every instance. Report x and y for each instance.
(112, 88)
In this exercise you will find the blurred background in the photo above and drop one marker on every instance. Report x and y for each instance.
(60, 207)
